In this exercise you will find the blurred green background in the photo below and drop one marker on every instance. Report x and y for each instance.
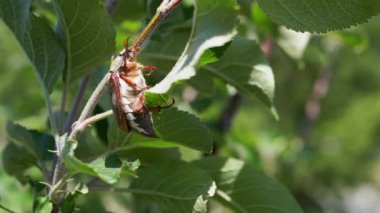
(325, 147)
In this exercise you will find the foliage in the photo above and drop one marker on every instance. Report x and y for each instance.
(207, 52)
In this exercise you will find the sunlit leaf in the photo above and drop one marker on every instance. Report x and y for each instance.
(104, 167)
(320, 16)
(244, 67)
(244, 189)
(212, 55)
(214, 26)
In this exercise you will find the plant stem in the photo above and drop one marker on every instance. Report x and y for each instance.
(60, 169)
(94, 99)
(82, 125)
(164, 9)
(58, 185)
(77, 102)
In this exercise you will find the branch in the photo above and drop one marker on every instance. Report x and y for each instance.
(77, 127)
(84, 119)
(229, 112)
(94, 99)
(77, 102)
(162, 11)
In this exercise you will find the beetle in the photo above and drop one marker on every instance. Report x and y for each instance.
(127, 82)
(127, 88)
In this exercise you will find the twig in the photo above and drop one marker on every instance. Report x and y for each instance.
(58, 185)
(229, 112)
(60, 169)
(163, 10)
(226, 117)
(82, 125)
(77, 102)
(94, 99)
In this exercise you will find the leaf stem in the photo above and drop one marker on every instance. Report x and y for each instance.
(52, 120)
(57, 186)
(62, 107)
(60, 169)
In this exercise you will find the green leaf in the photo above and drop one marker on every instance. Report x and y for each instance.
(176, 186)
(104, 167)
(214, 25)
(245, 7)
(68, 205)
(244, 67)
(244, 189)
(17, 160)
(155, 100)
(212, 55)
(182, 128)
(320, 16)
(87, 32)
(150, 156)
(38, 144)
(36, 38)
(174, 128)
(163, 54)
(117, 138)
(43, 205)
(203, 82)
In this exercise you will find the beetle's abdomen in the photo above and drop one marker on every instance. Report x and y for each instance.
(139, 120)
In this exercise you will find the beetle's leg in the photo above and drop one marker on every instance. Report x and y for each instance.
(130, 66)
(150, 68)
(140, 107)
(125, 42)
(131, 83)
(159, 108)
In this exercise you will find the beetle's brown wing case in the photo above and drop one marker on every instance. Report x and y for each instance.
(117, 106)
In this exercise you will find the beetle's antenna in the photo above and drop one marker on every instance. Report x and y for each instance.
(164, 9)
